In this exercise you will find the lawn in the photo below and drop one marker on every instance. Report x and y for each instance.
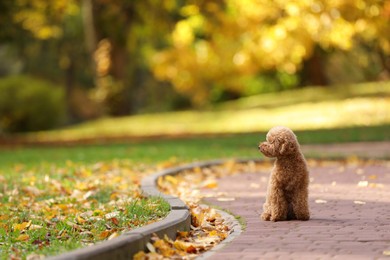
(303, 109)
(56, 198)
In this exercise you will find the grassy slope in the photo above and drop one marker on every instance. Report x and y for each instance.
(376, 104)
(304, 109)
(184, 149)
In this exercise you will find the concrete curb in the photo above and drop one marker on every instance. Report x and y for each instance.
(129, 243)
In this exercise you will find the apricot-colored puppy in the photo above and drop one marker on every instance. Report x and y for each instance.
(287, 193)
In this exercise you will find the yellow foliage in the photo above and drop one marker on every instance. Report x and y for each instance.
(249, 36)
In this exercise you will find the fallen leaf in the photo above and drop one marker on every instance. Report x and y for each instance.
(226, 199)
(80, 220)
(320, 201)
(171, 179)
(197, 217)
(164, 247)
(386, 252)
(359, 202)
(362, 184)
(23, 237)
(32, 191)
(104, 234)
(35, 257)
(34, 227)
(113, 235)
(187, 247)
(115, 221)
(111, 215)
(21, 226)
(150, 247)
(210, 184)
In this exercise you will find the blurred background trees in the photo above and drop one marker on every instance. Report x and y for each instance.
(118, 57)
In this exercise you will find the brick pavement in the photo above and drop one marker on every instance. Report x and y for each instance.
(350, 215)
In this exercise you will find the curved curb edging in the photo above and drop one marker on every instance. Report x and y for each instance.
(129, 243)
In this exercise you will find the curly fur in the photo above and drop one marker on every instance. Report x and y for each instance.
(287, 192)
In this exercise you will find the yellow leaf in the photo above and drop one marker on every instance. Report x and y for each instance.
(80, 220)
(104, 234)
(164, 248)
(185, 246)
(140, 256)
(23, 237)
(213, 233)
(21, 226)
(171, 179)
(182, 234)
(210, 184)
(386, 252)
(34, 227)
(197, 217)
(113, 235)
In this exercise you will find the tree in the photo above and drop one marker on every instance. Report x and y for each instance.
(222, 43)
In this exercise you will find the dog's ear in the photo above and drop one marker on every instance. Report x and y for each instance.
(287, 148)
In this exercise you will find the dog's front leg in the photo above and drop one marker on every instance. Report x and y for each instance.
(279, 206)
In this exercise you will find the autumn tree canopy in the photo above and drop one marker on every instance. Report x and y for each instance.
(128, 50)
(223, 43)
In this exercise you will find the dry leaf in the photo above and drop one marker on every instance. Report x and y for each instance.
(362, 184)
(23, 237)
(210, 184)
(150, 247)
(171, 179)
(386, 252)
(32, 191)
(226, 199)
(359, 202)
(80, 220)
(104, 234)
(115, 221)
(113, 235)
(21, 226)
(34, 227)
(164, 247)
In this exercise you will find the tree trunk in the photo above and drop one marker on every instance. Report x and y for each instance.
(313, 73)
(89, 32)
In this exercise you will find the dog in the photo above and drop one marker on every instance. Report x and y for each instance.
(287, 191)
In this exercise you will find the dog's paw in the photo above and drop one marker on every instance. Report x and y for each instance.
(266, 216)
(303, 217)
(278, 218)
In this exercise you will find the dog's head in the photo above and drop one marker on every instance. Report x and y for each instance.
(281, 141)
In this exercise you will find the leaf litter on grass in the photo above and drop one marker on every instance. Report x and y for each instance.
(49, 209)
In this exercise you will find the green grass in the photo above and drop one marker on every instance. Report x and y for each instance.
(61, 234)
(182, 149)
(303, 109)
(49, 206)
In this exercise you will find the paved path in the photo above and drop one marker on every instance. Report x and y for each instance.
(361, 149)
(350, 215)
